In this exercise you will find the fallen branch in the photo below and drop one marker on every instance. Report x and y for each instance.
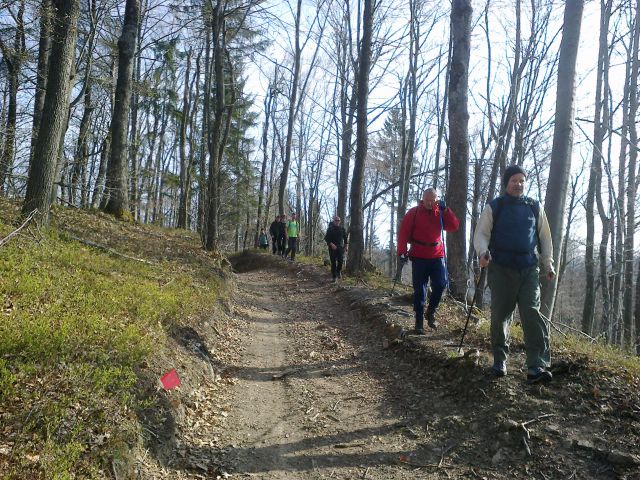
(107, 249)
(526, 446)
(537, 419)
(553, 324)
(17, 230)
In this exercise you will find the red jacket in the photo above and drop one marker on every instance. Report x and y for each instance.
(421, 228)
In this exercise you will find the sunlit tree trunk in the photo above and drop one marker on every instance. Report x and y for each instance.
(562, 139)
(632, 186)
(56, 104)
(13, 59)
(459, 142)
(356, 252)
(293, 99)
(117, 169)
(595, 176)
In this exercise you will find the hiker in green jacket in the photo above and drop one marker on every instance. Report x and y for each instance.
(511, 237)
(292, 234)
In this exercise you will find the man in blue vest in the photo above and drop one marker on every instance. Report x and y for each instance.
(511, 233)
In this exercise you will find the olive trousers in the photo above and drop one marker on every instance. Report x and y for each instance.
(511, 287)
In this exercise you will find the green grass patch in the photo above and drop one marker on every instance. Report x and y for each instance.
(76, 326)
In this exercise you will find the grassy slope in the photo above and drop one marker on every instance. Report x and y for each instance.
(80, 328)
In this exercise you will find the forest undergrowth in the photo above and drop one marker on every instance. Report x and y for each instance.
(89, 306)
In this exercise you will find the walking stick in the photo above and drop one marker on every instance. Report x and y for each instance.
(473, 302)
(444, 250)
(398, 277)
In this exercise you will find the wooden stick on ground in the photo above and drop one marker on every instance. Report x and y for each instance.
(16, 231)
(107, 249)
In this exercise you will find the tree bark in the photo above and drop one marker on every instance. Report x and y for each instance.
(459, 142)
(356, 243)
(117, 168)
(268, 102)
(185, 166)
(13, 59)
(56, 104)
(44, 48)
(631, 182)
(595, 177)
(292, 113)
(562, 140)
(215, 128)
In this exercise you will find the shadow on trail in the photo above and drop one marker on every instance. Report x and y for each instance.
(301, 455)
(279, 373)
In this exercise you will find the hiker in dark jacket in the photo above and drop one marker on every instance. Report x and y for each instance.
(273, 231)
(422, 228)
(282, 235)
(336, 238)
(511, 233)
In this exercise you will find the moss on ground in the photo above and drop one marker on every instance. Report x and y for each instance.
(78, 325)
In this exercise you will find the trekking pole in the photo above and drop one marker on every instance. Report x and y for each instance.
(398, 277)
(444, 250)
(473, 302)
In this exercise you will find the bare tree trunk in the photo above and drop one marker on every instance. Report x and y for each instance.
(292, 112)
(82, 149)
(562, 140)
(44, 48)
(268, 102)
(356, 253)
(459, 142)
(443, 114)
(203, 200)
(216, 143)
(134, 145)
(13, 58)
(631, 182)
(185, 166)
(595, 176)
(117, 169)
(56, 104)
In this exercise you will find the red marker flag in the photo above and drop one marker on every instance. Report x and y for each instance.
(170, 380)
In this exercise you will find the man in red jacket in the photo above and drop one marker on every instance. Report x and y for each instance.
(422, 227)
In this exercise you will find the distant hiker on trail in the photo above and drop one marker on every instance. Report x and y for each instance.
(336, 238)
(422, 227)
(292, 235)
(263, 240)
(282, 235)
(273, 231)
(510, 229)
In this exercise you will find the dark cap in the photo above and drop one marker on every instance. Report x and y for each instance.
(510, 171)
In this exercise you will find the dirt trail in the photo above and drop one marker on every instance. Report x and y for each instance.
(308, 403)
(320, 385)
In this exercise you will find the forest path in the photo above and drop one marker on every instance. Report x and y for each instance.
(316, 397)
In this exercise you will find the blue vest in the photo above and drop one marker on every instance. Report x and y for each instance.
(514, 235)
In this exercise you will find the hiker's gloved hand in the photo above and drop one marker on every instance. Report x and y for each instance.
(404, 258)
(442, 205)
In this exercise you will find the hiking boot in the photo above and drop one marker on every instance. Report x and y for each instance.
(538, 375)
(431, 320)
(418, 331)
(499, 369)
